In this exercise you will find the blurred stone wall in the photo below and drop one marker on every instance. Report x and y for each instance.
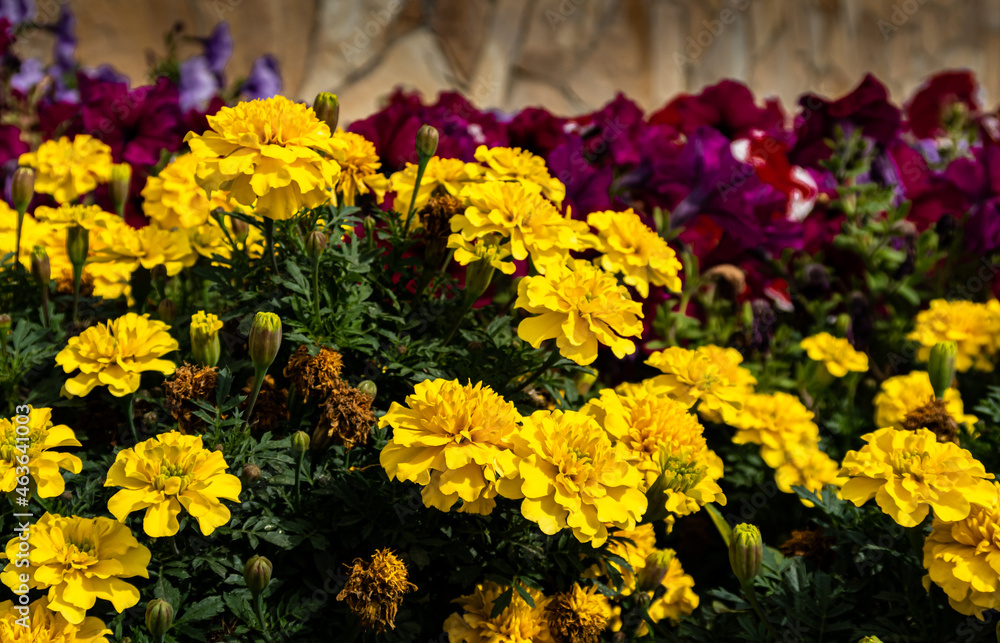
(570, 56)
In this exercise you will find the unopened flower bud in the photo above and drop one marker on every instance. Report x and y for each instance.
(746, 551)
(321, 438)
(121, 181)
(300, 442)
(369, 225)
(875, 639)
(159, 617)
(250, 474)
(265, 340)
(368, 388)
(40, 267)
(205, 345)
(5, 322)
(316, 244)
(941, 367)
(158, 272)
(240, 227)
(327, 108)
(23, 188)
(257, 574)
(77, 244)
(167, 311)
(654, 570)
(427, 141)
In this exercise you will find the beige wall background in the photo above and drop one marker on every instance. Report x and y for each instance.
(570, 56)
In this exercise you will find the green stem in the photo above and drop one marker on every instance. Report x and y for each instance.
(549, 361)
(45, 305)
(748, 590)
(298, 477)
(131, 419)
(421, 166)
(458, 321)
(269, 242)
(77, 278)
(17, 248)
(258, 380)
(259, 608)
(316, 290)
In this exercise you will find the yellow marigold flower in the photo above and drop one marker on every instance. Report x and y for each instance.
(534, 226)
(963, 558)
(173, 199)
(901, 395)
(149, 247)
(204, 326)
(515, 164)
(631, 248)
(836, 354)
(788, 439)
(581, 307)
(67, 169)
(209, 240)
(974, 327)
(517, 623)
(359, 169)
(273, 154)
(448, 438)
(115, 354)
(706, 374)
(168, 472)
(572, 476)
(45, 625)
(633, 545)
(728, 361)
(43, 464)
(663, 441)
(488, 249)
(579, 615)
(79, 560)
(678, 601)
(375, 590)
(91, 217)
(910, 472)
(447, 176)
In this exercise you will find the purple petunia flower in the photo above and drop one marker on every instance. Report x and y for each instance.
(197, 84)
(218, 51)
(264, 79)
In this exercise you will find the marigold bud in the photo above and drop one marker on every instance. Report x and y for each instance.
(250, 474)
(240, 227)
(746, 551)
(321, 438)
(265, 340)
(5, 322)
(941, 367)
(23, 188)
(316, 244)
(167, 311)
(77, 245)
(369, 226)
(158, 272)
(654, 570)
(875, 639)
(427, 141)
(159, 617)
(205, 344)
(257, 574)
(121, 181)
(327, 108)
(368, 388)
(300, 442)
(40, 267)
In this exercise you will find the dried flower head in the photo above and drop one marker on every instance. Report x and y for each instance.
(319, 373)
(375, 589)
(187, 384)
(272, 404)
(347, 417)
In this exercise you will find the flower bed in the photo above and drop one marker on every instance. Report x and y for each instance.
(719, 372)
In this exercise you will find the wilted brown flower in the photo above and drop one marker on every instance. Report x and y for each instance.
(347, 418)
(189, 383)
(934, 416)
(64, 284)
(808, 543)
(319, 373)
(272, 404)
(375, 589)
